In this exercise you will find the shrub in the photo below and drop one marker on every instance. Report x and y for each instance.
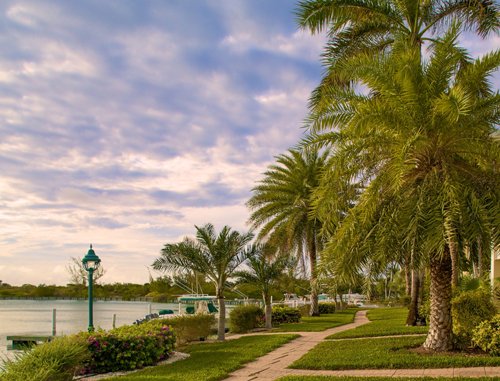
(245, 318)
(128, 347)
(327, 308)
(305, 309)
(57, 360)
(468, 310)
(285, 315)
(487, 336)
(189, 327)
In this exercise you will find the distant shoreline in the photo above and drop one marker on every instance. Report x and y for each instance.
(111, 299)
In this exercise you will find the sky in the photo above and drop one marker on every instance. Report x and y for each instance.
(126, 123)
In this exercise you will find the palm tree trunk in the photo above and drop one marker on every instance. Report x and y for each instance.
(454, 262)
(480, 266)
(407, 278)
(268, 311)
(221, 328)
(314, 311)
(439, 337)
(411, 320)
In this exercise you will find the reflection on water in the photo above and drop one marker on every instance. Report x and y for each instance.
(34, 317)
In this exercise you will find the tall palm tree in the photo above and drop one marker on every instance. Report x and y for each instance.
(371, 26)
(282, 207)
(264, 272)
(420, 141)
(216, 256)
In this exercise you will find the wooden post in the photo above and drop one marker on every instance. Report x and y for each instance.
(114, 321)
(53, 322)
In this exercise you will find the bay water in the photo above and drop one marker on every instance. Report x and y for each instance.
(34, 317)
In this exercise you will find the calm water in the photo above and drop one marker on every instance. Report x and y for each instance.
(34, 317)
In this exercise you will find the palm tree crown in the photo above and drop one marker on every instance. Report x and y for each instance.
(282, 206)
(370, 26)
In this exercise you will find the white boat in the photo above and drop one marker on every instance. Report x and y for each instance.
(191, 298)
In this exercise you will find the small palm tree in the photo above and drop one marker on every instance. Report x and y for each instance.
(216, 256)
(282, 206)
(263, 272)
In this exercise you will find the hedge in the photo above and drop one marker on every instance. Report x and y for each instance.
(285, 315)
(245, 318)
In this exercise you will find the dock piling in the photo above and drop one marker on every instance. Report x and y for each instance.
(54, 322)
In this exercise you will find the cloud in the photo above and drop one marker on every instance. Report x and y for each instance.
(125, 124)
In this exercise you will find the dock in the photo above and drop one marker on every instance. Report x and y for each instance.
(26, 341)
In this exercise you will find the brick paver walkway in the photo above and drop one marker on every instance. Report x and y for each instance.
(274, 365)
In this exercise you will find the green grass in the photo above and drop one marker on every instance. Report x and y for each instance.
(384, 322)
(211, 361)
(349, 378)
(319, 323)
(384, 353)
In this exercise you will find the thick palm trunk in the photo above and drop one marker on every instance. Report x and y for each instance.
(439, 337)
(221, 328)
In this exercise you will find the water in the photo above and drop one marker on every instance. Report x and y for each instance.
(34, 317)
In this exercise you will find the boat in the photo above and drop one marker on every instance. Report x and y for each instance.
(192, 298)
(198, 303)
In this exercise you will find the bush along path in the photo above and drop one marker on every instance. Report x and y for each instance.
(275, 364)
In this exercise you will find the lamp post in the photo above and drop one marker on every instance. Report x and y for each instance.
(91, 263)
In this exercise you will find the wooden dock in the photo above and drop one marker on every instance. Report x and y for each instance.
(26, 341)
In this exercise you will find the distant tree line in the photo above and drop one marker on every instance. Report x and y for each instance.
(161, 289)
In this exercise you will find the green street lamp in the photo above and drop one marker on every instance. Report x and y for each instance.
(91, 263)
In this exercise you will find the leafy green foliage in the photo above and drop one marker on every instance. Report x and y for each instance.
(186, 328)
(128, 347)
(487, 336)
(245, 318)
(384, 322)
(283, 314)
(369, 28)
(327, 308)
(57, 360)
(386, 352)
(212, 361)
(469, 309)
(305, 310)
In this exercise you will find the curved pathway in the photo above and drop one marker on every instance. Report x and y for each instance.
(274, 365)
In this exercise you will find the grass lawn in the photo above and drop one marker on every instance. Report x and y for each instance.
(385, 352)
(319, 323)
(211, 361)
(384, 322)
(347, 378)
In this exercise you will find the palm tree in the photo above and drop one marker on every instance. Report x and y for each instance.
(282, 207)
(371, 26)
(420, 142)
(263, 272)
(216, 256)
